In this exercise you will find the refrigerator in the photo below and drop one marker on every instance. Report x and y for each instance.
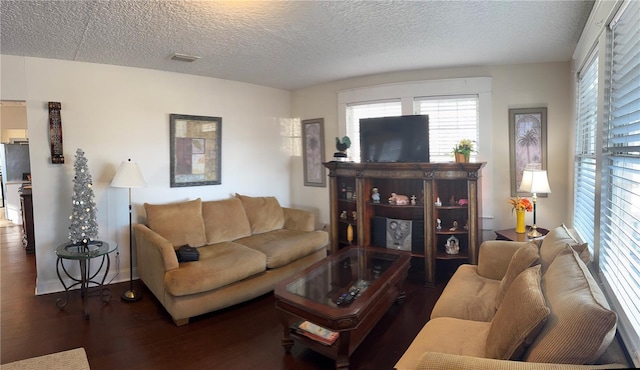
(15, 169)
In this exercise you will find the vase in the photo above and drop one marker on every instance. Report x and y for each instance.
(520, 229)
(461, 158)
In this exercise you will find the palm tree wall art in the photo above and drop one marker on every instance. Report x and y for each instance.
(528, 143)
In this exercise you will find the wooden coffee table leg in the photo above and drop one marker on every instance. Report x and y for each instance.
(287, 342)
(342, 360)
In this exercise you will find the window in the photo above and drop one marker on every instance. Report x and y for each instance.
(451, 118)
(607, 168)
(620, 213)
(355, 112)
(585, 154)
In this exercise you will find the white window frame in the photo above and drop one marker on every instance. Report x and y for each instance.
(407, 92)
(596, 37)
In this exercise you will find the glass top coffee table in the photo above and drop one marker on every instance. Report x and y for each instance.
(346, 293)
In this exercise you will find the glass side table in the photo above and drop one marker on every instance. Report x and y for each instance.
(84, 255)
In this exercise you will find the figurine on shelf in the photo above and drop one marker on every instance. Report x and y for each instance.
(349, 193)
(452, 201)
(466, 225)
(452, 246)
(413, 200)
(375, 195)
(439, 226)
(399, 200)
(454, 227)
(343, 215)
(438, 203)
(463, 202)
(353, 215)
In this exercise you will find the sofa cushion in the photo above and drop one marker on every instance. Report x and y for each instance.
(581, 325)
(525, 257)
(520, 317)
(446, 335)
(219, 265)
(179, 223)
(264, 213)
(467, 296)
(225, 220)
(285, 246)
(554, 242)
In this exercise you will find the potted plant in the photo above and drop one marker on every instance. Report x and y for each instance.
(463, 150)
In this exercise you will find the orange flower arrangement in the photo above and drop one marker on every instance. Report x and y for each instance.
(521, 204)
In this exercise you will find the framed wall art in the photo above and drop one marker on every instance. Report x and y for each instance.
(195, 150)
(313, 152)
(527, 144)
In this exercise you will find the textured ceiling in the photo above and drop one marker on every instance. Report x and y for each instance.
(293, 44)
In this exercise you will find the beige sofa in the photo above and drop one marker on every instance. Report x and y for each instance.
(246, 245)
(536, 303)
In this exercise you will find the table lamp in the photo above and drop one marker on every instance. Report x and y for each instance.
(129, 176)
(534, 181)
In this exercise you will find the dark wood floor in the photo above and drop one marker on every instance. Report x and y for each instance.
(141, 335)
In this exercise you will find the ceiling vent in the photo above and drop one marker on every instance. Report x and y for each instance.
(184, 57)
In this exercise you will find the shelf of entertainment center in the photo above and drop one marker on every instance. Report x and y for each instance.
(445, 256)
(449, 208)
(450, 232)
(387, 205)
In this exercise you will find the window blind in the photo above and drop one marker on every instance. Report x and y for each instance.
(355, 112)
(620, 214)
(585, 152)
(451, 118)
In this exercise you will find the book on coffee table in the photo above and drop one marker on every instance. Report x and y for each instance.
(316, 332)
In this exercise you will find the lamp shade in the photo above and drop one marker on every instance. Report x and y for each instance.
(535, 181)
(128, 176)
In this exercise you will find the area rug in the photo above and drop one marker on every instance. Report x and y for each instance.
(75, 359)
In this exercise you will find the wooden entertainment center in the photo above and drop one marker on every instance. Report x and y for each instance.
(384, 224)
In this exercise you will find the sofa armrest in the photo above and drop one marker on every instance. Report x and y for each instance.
(435, 360)
(152, 248)
(494, 257)
(298, 219)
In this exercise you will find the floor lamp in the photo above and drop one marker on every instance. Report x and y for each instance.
(535, 181)
(129, 176)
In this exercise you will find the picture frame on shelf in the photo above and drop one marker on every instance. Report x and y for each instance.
(313, 152)
(527, 144)
(195, 150)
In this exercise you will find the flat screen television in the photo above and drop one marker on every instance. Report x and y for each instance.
(395, 139)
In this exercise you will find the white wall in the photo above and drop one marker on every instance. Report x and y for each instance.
(115, 113)
(514, 86)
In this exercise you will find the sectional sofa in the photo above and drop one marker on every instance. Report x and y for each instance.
(524, 306)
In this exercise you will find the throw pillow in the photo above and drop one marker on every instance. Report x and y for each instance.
(581, 325)
(554, 242)
(579, 246)
(264, 213)
(179, 223)
(525, 257)
(519, 319)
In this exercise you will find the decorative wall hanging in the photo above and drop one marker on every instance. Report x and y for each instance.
(195, 150)
(55, 132)
(313, 152)
(527, 144)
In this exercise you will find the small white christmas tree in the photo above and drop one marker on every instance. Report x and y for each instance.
(84, 226)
